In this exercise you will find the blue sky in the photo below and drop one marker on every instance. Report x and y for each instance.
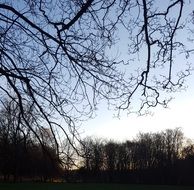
(178, 114)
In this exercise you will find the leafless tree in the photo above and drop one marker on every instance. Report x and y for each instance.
(55, 56)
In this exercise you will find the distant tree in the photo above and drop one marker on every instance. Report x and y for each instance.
(186, 164)
(158, 150)
(123, 158)
(20, 153)
(69, 159)
(111, 155)
(13, 140)
(173, 144)
(86, 152)
(144, 150)
(188, 151)
(97, 155)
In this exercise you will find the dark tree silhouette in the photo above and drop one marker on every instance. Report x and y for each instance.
(20, 153)
(151, 158)
(14, 138)
(54, 57)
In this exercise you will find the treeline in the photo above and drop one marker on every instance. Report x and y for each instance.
(151, 158)
(22, 157)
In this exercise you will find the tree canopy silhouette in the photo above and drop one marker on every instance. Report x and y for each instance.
(55, 57)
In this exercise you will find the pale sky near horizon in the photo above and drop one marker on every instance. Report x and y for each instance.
(180, 113)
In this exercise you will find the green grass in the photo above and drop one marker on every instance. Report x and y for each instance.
(59, 186)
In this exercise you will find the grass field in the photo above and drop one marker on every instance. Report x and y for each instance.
(58, 186)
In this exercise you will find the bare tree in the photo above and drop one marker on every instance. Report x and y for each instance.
(156, 37)
(55, 57)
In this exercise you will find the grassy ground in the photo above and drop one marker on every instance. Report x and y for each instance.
(57, 186)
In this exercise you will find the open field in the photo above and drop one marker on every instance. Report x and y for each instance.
(58, 186)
